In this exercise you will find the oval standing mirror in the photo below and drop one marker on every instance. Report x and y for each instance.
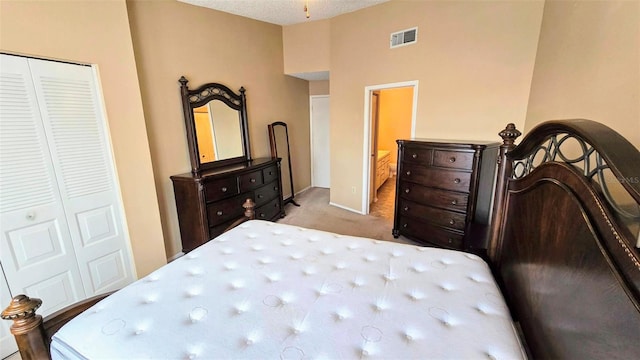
(279, 141)
(216, 124)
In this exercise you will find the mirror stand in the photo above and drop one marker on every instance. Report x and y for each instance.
(279, 141)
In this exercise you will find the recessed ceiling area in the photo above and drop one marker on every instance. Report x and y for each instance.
(285, 12)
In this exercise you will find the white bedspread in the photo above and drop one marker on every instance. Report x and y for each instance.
(273, 291)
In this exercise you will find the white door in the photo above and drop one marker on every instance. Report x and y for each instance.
(81, 154)
(36, 250)
(320, 169)
(62, 234)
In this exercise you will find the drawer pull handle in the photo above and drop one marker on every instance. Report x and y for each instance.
(454, 202)
(456, 180)
(452, 159)
(405, 225)
(31, 215)
(450, 240)
(252, 180)
(270, 172)
(275, 188)
(408, 172)
(262, 215)
(224, 189)
(407, 191)
(452, 222)
(406, 208)
(260, 196)
(275, 205)
(219, 213)
(415, 156)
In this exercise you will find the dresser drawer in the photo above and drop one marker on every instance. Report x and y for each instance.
(250, 181)
(417, 155)
(443, 179)
(434, 197)
(221, 211)
(266, 193)
(453, 159)
(220, 189)
(450, 219)
(269, 174)
(215, 231)
(269, 210)
(430, 233)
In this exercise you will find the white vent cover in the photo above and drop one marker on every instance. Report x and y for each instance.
(404, 37)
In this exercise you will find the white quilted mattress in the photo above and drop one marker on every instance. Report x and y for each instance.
(274, 291)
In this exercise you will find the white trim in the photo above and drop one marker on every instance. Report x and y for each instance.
(366, 147)
(311, 97)
(176, 256)
(345, 208)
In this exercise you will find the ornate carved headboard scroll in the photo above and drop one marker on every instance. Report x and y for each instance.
(563, 245)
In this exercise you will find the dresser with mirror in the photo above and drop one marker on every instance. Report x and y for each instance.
(223, 173)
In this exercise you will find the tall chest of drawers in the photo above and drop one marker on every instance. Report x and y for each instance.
(207, 204)
(444, 191)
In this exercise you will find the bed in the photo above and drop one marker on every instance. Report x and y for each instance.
(561, 279)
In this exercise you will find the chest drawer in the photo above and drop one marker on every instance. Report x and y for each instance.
(221, 211)
(430, 233)
(434, 197)
(250, 181)
(417, 155)
(220, 189)
(269, 174)
(269, 210)
(443, 179)
(450, 219)
(453, 159)
(266, 193)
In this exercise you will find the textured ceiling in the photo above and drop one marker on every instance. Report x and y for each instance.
(285, 12)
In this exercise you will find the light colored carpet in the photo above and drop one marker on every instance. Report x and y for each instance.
(316, 213)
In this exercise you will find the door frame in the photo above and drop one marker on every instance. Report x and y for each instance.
(367, 143)
(311, 97)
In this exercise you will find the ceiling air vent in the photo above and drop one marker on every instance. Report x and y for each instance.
(404, 37)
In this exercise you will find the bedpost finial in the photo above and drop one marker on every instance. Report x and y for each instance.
(249, 206)
(183, 80)
(21, 306)
(509, 134)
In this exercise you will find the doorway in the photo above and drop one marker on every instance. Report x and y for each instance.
(390, 114)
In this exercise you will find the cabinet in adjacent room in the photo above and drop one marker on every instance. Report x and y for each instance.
(209, 202)
(444, 191)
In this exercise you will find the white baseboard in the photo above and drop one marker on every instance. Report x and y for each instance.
(303, 190)
(346, 208)
(178, 255)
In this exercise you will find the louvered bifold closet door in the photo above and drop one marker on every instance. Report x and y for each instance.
(36, 250)
(81, 154)
(63, 237)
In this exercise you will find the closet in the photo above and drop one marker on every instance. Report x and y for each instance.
(62, 229)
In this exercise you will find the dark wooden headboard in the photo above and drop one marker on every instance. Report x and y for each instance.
(563, 247)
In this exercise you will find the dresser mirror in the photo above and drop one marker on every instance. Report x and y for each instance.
(216, 124)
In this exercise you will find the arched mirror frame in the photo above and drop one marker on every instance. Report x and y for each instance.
(274, 154)
(192, 99)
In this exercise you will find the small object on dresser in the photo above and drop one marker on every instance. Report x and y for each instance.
(444, 191)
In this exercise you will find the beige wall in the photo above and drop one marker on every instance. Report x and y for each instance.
(319, 87)
(173, 39)
(473, 60)
(306, 47)
(588, 65)
(394, 122)
(77, 31)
